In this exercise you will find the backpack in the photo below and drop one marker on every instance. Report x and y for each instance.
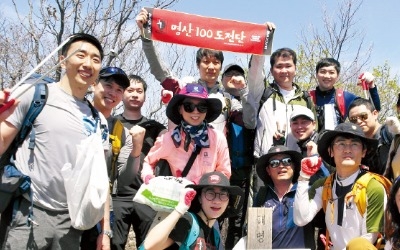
(339, 100)
(13, 183)
(359, 191)
(193, 235)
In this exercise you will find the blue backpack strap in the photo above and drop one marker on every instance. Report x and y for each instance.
(38, 102)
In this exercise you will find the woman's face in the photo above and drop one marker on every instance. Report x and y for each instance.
(193, 111)
(214, 201)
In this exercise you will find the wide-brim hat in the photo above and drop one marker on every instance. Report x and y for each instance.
(218, 179)
(263, 162)
(344, 129)
(193, 90)
(117, 73)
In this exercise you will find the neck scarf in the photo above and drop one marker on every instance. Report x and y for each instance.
(199, 134)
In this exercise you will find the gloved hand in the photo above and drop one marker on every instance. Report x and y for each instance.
(171, 84)
(309, 166)
(147, 178)
(166, 96)
(365, 79)
(185, 199)
(393, 125)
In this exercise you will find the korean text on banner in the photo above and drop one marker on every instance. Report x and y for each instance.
(207, 32)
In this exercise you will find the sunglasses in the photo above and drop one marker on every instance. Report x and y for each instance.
(285, 162)
(211, 195)
(112, 71)
(189, 107)
(362, 116)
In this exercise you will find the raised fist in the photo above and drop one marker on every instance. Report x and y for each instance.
(393, 125)
(310, 165)
(166, 96)
(185, 199)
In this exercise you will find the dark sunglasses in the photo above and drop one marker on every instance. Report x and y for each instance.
(112, 71)
(189, 107)
(362, 116)
(285, 161)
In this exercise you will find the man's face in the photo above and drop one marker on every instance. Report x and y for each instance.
(107, 95)
(327, 77)
(284, 71)
(362, 116)
(134, 96)
(209, 68)
(228, 78)
(302, 128)
(347, 152)
(281, 172)
(83, 67)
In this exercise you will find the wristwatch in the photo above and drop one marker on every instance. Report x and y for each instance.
(109, 233)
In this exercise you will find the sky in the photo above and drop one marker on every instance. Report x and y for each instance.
(378, 19)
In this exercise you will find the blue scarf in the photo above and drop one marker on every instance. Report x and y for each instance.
(199, 134)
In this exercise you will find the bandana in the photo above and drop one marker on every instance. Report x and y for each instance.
(199, 134)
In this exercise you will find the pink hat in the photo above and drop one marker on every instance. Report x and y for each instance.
(193, 90)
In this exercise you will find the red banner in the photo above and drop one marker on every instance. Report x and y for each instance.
(207, 32)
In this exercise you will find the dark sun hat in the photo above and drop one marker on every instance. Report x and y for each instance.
(347, 130)
(193, 90)
(218, 179)
(263, 162)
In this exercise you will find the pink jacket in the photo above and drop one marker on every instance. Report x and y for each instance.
(214, 158)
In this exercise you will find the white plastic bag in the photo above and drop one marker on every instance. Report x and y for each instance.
(162, 192)
(86, 184)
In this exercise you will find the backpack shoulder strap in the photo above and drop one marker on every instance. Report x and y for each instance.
(386, 136)
(360, 189)
(313, 96)
(268, 91)
(116, 144)
(327, 190)
(309, 100)
(339, 99)
(193, 234)
(261, 196)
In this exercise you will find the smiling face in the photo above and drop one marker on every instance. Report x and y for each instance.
(213, 202)
(281, 172)
(347, 154)
(284, 71)
(195, 117)
(367, 119)
(302, 128)
(107, 95)
(327, 77)
(82, 68)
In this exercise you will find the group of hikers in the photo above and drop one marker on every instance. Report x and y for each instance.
(319, 158)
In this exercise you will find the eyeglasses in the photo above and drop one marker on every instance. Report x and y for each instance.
(353, 145)
(362, 116)
(285, 161)
(108, 71)
(211, 195)
(189, 107)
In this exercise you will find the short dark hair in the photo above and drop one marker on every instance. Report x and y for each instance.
(361, 101)
(326, 62)
(83, 37)
(138, 79)
(209, 52)
(283, 52)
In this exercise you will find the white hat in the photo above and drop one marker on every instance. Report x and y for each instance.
(302, 111)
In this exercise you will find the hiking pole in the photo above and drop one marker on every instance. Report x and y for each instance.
(364, 85)
(10, 98)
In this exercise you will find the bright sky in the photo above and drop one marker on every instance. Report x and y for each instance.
(378, 19)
